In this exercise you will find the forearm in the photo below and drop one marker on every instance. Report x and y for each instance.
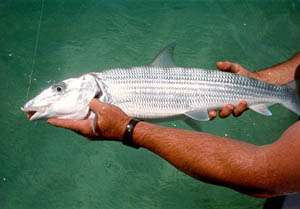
(282, 73)
(209, 158)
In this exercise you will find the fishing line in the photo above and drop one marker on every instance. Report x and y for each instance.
(35, 49)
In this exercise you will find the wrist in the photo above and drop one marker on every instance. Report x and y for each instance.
(122, 129)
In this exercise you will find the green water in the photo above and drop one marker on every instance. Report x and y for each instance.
(44, 41)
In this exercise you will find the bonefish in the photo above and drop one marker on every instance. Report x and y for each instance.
(159, 91)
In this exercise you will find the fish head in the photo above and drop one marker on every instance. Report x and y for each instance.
(67, 99)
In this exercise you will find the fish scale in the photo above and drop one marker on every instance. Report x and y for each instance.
(144, 91)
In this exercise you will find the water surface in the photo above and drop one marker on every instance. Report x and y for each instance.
(45, 41)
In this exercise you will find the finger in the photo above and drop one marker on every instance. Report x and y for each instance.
(236, 68)
(225, 66)
(231, 67)
(212, 114)
(242, 107)
(75, 125)
(226, 111)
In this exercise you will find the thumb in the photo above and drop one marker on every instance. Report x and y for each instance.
(95, 105)
(231, 67)
(225, 66)
(237, 68)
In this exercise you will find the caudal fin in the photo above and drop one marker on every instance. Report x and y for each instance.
(294, 102)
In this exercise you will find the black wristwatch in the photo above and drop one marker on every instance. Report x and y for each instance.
(127, 139)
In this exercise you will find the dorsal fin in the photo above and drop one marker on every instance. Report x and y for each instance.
(165, 57)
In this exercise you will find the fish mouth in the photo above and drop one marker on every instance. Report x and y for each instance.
(33, 113)
(30, 114)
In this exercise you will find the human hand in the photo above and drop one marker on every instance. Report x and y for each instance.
(242, 106)
(107, 127)
(235, 68)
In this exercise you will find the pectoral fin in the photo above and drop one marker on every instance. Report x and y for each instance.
(199, 114)
(94, 123)
(261, 108)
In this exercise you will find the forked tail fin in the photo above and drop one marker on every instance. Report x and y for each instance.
(294, 103)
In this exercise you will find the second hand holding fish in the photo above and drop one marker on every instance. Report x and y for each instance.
(242, 106)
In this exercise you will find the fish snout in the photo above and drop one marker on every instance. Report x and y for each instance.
(33, 113)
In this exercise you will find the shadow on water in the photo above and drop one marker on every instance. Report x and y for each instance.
(195, 125)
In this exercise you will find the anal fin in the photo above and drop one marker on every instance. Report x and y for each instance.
(199, 114)
(261, 108)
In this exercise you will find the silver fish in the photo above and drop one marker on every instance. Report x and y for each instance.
(159, 91)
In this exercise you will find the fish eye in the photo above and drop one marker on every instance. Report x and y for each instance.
(59, 87)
